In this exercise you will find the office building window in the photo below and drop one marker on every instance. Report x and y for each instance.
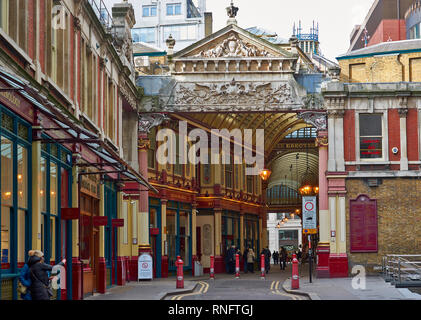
(174, 9)
(143, 35)
(149, 11)
(181, 32)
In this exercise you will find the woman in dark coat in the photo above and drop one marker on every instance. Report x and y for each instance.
(39, 276)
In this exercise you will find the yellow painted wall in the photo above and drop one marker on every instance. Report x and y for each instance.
(385, 68)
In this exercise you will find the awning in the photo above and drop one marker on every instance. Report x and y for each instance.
(77, 134)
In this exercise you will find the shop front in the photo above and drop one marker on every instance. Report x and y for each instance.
(35, 184)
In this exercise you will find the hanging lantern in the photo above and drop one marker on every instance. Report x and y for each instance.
(265, 174)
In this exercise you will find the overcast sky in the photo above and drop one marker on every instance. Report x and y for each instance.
(336, 18)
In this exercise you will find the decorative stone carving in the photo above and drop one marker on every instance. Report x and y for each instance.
(317, 119)
(232, 10)
(233, 95)
(233, 47)
(148, 121)
(313, 101)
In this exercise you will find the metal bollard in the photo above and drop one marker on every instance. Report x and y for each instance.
(262, 267)
(212, 268)
(295, 282)
(180, 274)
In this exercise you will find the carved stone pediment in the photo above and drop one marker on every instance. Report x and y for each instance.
(232, 42)
(234, 95)
(233, 46)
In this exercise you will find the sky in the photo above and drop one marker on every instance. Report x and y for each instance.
(336, 18)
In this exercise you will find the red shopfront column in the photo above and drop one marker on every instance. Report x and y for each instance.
(323, 247)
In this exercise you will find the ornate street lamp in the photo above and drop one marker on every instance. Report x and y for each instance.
(265, 174)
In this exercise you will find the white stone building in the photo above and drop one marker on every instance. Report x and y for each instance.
(289, 233)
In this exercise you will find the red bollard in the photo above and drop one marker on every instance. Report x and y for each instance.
(180, 274)
(212, 268)
(295, 282)
(262, 266)
(237, 266)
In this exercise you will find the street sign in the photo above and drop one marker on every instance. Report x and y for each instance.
(309, 214)
(145, 266)
(310, 231)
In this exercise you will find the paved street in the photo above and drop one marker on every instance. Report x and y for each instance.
(276, 286)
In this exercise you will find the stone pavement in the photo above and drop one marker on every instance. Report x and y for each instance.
(319, 289)
(341, 289)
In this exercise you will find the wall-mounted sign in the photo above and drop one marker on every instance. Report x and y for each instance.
(153, 231)
(117, 223)
(363, 225)
(100, 221)
(70, 213)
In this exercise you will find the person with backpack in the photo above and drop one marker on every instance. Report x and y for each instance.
(25, 280)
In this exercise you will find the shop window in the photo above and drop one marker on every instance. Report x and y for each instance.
(5, 234)
(43, 185)
(22, 177)
(6, 172)
(21, 235)
(371, 138)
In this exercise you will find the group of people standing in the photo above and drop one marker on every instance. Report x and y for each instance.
(281, 257)
(34, 277)
(249, 258)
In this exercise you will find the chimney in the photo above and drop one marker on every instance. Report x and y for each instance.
(208, 23)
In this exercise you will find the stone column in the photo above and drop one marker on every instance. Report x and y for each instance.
(242, 248)
(164, 255)
(323, 248)
(219, 261)
(193, 235)
(403, 113)
(143, 213)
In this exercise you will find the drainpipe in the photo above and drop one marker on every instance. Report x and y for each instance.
(399, 19)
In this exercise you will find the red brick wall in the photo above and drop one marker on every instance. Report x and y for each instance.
(71, 57)
(394, 134)
(412, 134)
(31, 31)
(349, 135)
(42, 34)
(395, 29)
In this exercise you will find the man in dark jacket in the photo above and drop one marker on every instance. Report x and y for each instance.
(39, 277)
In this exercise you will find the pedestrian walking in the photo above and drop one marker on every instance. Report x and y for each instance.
(250, 260)
(275, 256)
(299, 254)
(25, 280)
(283, 258)
(40, 281)
(231, 258)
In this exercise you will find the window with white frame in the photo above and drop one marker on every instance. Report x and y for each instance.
(149, 11)
(173, 9)
(371, 136)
